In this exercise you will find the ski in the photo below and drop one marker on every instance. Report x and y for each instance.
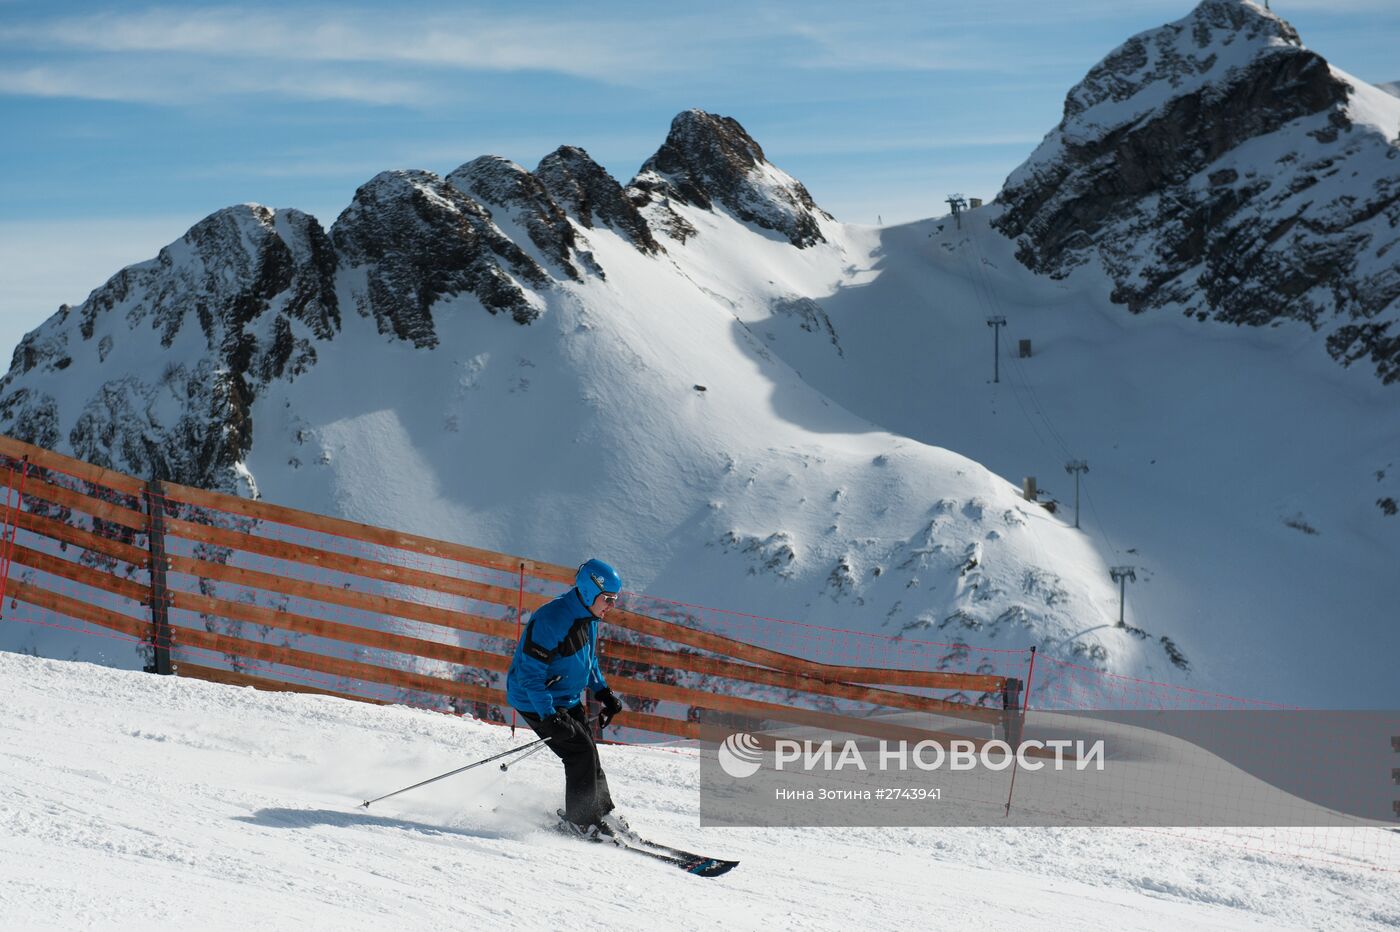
(698, 864)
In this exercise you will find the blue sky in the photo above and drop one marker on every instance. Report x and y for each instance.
(124, 123)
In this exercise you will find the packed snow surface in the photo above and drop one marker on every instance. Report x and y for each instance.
(135, 801)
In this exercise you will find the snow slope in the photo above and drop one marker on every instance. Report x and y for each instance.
(1236, 468)
(141, 802)
(585, 433)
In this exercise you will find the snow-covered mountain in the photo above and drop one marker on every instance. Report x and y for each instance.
(1218, 165)
(1391, 87)
(550, 364)
(744, 403)
(169, 354)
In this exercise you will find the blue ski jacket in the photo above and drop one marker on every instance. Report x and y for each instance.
(556, 658)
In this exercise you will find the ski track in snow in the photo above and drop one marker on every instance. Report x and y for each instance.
(133, 801)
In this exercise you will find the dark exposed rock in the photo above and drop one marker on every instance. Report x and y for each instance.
(231, 283)
(31, 416)
(658, 213)
(222, 279)
(244, 298)
(710, 160)
(503, 184)
(420, 239)
(809, 316)
(585, 191)
(1149, 174)
(209, 431)
(41, 348)
(1351, 342)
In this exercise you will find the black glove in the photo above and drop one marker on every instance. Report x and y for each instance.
(559, 727)
(611, 706)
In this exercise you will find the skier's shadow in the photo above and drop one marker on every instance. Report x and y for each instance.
(305, 818)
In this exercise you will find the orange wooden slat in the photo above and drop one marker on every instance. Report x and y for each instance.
(334, 666)
(370, 534)
(378, 604)
(57, 530)
(48, 459)
(641, 721)
(770, 710)
(657, 724)
(334, 630)
(728, 669)
(64, 605)
(34, 487)
(340, 562)
(267, 684)
(719, 644)
(87, 575)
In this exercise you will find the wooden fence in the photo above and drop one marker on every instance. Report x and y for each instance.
(243, 592)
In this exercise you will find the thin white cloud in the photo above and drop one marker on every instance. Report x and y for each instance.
(358, 49)
(846, 46)
(175, 83)
(478, 41)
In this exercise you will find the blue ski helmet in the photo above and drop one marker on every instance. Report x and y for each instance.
(595, 577)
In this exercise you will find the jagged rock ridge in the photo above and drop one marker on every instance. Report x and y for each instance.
(419, 238)
(1209, 163)
(240, 300)
(248, 293)
(499, 182)
(586, 192)
(708, 159)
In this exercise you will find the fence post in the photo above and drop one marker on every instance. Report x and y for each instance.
(11, 530)
(1011, 711)
(161, 632)
(1020, 717)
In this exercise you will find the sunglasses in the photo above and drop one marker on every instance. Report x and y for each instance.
(610, 598)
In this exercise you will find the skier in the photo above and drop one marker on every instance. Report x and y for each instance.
(557, 657)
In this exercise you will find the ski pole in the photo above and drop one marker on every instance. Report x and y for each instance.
(534, 750)
(444, 776)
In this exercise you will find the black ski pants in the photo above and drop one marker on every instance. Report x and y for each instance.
(586, 796)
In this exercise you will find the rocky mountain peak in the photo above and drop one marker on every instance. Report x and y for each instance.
(239, 300)
(1205, 163)
(1218, 37)
(158, 371)
(586, 191)
(503, 184)
(418, 238)
(225, 274)
(708, 160)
